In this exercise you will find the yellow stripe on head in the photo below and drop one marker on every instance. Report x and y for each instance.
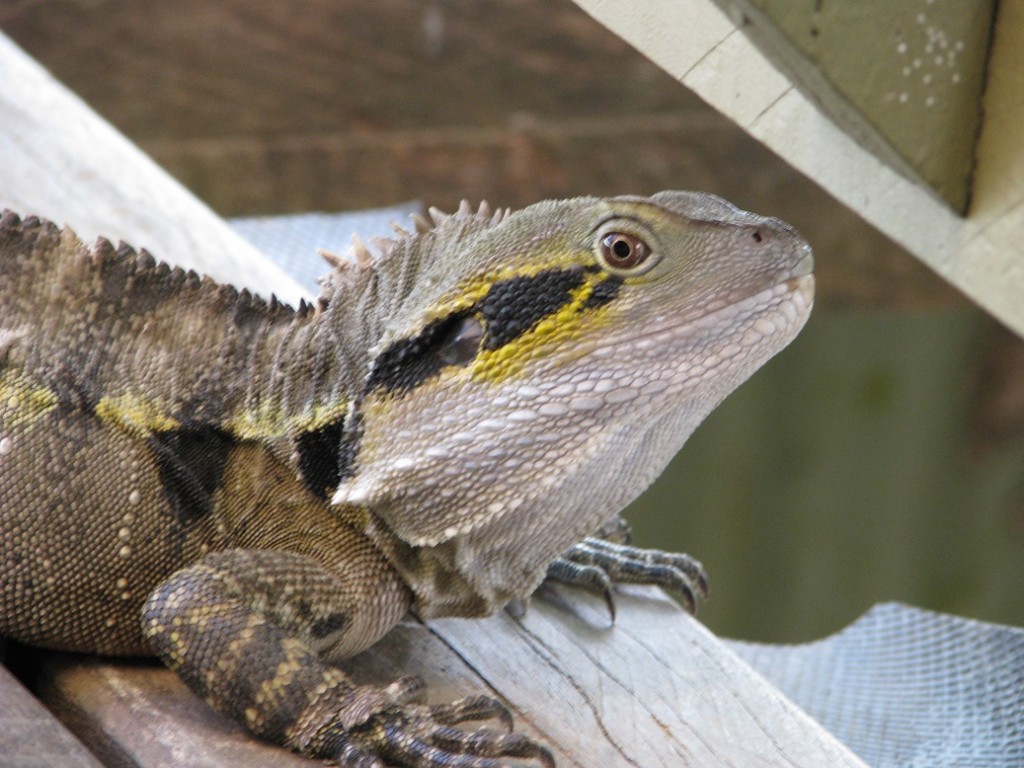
(470, 292)
(561, 327)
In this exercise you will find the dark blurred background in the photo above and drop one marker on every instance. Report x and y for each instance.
(879, 457)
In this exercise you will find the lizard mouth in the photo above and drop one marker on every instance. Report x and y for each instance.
(780, 310)
(791, 296)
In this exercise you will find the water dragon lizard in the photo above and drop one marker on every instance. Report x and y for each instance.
(251, 491)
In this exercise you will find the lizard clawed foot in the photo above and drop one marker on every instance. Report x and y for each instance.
(596, 564)
(472, 708)
(420, 736)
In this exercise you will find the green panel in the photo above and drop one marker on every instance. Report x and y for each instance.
(902, 77)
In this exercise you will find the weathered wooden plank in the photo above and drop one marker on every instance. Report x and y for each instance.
(982, 253)
(655, 689)
(30, 737)
(140, 714)
(60, 160)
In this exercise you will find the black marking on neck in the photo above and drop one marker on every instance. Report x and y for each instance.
(318, 458)
(409, 362)
(329, 625)
(191, 461)
(327, 456)
(511, 308)
(514, 306)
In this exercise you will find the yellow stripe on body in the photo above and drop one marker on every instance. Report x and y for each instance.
(21, 401)
(270, 422)
(138, 416)
(144, 417)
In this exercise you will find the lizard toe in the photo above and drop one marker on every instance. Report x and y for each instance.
(472, 708)
(597, 563)
(414, 737)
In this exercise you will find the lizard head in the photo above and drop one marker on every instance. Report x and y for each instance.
(538, 370)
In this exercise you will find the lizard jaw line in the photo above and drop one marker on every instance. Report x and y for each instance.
(796, 292)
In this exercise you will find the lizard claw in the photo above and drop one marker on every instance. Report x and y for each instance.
(596, 564)
(566, 570)
(472, 708)
(420, 736)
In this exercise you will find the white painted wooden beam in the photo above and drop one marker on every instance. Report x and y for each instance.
(982, 254)
(62, 161)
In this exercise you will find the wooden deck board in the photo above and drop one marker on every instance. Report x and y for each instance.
(31, 737)
(655, 689)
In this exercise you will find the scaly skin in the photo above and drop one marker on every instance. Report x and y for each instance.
(274, 489)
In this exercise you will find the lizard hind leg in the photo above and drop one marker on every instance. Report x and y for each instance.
(248, 630)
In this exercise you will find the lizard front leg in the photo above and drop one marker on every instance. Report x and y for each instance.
(607, 558)
(248, 630)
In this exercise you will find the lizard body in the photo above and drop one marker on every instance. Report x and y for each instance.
(271, 489)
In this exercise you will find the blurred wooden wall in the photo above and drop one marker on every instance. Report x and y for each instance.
(321, 105)
(264, 108)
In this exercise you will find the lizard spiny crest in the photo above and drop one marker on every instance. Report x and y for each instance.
(345, 272)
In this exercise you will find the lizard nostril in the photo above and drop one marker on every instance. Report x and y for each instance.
(758, 237)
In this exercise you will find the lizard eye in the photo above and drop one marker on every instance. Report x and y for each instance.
(462, 342)
(618, 250)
